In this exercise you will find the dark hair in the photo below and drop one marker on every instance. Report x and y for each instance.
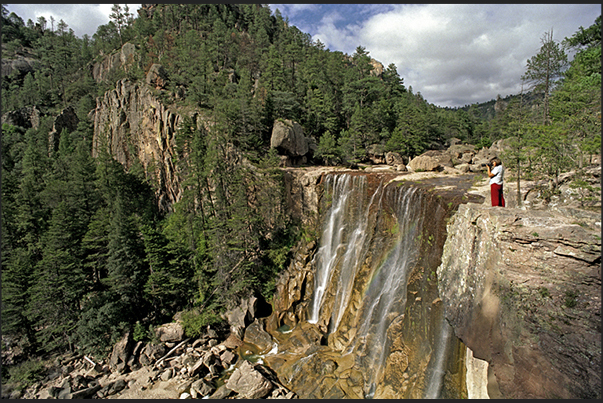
(497, 160)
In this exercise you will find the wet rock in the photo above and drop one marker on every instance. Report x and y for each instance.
(228, 358)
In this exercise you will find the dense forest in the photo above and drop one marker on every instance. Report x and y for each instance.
(87, 254)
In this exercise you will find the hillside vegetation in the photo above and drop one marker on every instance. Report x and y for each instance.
(87, 254)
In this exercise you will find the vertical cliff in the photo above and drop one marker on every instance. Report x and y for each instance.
(522, 289)
(134, 125)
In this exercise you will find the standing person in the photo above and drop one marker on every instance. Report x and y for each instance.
(496, 182)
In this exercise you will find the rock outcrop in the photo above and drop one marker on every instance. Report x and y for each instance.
(66, 120)
(134, 125)
(125, 58)
(190, 369)
(27, 117)
(522, 289)
(289, 140)
(23, 62)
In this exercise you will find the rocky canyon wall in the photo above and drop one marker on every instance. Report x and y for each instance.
(357, 314)
(522, 289)
(134, 125)
(512, 295)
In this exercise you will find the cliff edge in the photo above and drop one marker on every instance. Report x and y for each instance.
(522, 290)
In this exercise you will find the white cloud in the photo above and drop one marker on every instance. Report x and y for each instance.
(82, 18)
(456, 54)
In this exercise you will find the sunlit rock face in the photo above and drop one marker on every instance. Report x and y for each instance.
(367, 321)
(133, 125)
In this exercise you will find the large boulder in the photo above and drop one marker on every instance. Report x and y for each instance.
(170, 332)
(256, 335)
(288, 138)
(432, 160)
(248, 382)
(461, 153)
(121, 353)
(394, 159)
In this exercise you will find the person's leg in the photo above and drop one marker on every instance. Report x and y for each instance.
(494, 194)
(502, 197)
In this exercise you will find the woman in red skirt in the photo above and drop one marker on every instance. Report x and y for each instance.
(496, 182)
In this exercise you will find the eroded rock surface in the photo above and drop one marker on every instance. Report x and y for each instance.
(522, 289)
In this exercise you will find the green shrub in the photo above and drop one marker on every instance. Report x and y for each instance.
(140, 333)
(26, 374)
(570, 299)
(195, 322)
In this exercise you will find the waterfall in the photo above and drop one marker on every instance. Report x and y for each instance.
(379, 244)
(345, 241)
(385, 297)
(341, 245)
(435, 380)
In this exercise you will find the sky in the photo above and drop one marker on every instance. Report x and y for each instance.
(453, 54)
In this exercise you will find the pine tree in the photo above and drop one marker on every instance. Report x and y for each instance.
(544, 69)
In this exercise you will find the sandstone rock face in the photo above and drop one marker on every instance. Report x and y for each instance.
(132, 122)
(522, 290)
(294, 288)
(302, 190)
(288, 138)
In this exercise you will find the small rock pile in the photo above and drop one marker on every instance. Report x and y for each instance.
(173, 368)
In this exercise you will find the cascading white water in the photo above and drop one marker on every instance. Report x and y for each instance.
(342, 241)
(385, 297)
(359, 237)
(436, 378)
